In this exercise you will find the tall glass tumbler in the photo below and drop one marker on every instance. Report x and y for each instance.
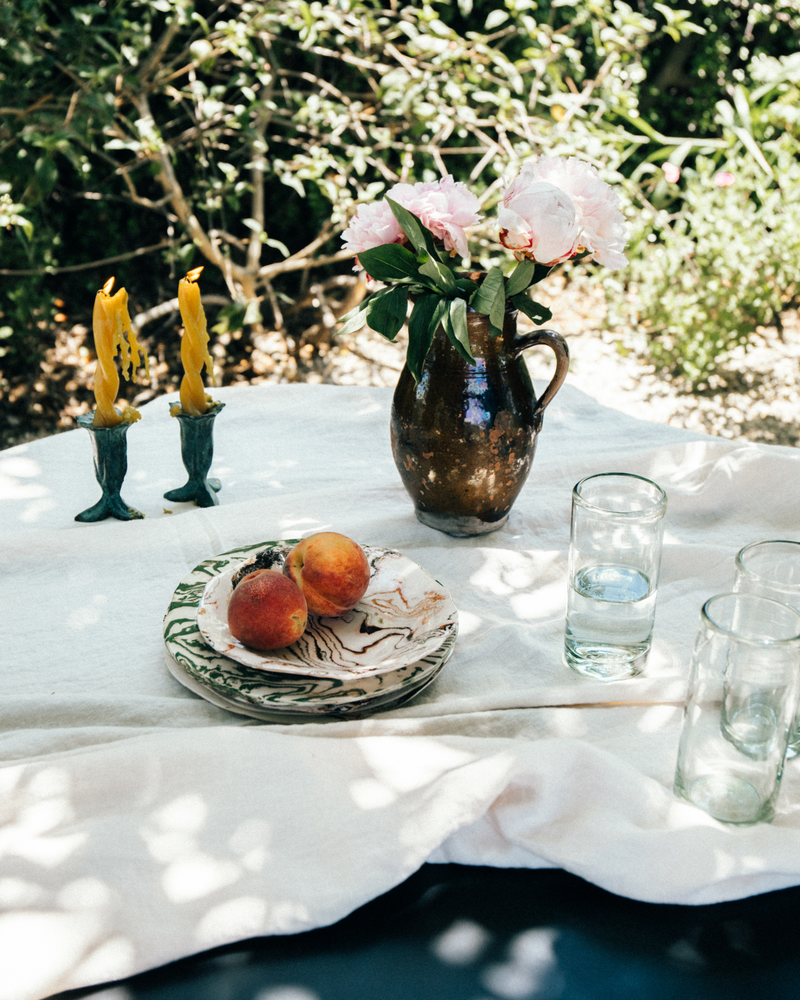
(614, 558)
(772, 569)
(743, 691)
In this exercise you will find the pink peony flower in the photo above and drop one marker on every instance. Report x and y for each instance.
(538, 221)
(372, 226)
(724, 179)
(446, 207)
(672, 173)
(600, 225)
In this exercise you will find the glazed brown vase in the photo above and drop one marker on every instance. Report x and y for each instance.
(464, 436)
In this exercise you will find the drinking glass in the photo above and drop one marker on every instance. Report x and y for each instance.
(615, 553)
(742, 698)
(772, 569)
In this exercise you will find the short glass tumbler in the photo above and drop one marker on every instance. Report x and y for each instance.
(772, 569)
(741, 703)
(614, 559)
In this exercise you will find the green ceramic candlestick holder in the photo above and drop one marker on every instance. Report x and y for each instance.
(110, 452)
(197, 451)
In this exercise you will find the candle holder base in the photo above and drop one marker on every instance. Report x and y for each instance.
(110, 453)
(197, 451)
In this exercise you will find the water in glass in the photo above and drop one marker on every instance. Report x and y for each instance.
(609, 620)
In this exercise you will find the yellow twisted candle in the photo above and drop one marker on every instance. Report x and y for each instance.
(110, 323)
(194, 347)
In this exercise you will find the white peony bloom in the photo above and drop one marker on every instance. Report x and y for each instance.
(538, 221)
(601, 229)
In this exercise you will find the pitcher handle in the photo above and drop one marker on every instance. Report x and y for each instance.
(558, 346)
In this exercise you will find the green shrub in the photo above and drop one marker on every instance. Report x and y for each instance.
(238, 135)
(711, 260)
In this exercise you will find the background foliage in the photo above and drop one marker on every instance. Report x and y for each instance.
(143, 137)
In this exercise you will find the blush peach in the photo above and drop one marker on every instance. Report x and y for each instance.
(267, 611)
(331, 570)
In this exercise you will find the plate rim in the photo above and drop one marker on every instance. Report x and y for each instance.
(288, 716)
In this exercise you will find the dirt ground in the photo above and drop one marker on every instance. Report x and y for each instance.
(754, 395)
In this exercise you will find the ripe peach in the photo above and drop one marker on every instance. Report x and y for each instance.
(331, 570)
(267, 610)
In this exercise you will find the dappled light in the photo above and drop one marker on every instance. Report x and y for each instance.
(274, 468)
(504, 572)
(17, 475)
(681, 815)
(43, 806)
(298, 526)
(29, 970)
(462, 943)
(71, 918)
(468, 623)
(21, 482)
(531, 970)
(113, 993)
(235, 918)
(189, 873)
(569, 725)
(287, 993)
(540, 602)
(88, 615)
(71, 913)
(403, 766)
(658, 717)
(514, 585)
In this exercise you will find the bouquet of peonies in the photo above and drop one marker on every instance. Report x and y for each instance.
(555, 210)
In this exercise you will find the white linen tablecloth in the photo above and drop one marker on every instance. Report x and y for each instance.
(139, 823)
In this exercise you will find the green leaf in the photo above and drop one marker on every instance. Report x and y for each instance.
(439, 273)
(455, 326)
(427, 314)
(490, 300)
(270, 242)
(495, 19)
(389, 262)
(540, 272)
(17, 220)
(46, 173)
(535, 311)
(354, 319)
(520, 277)
(488, 291)
(420, 237)
(386, 311)
(498, 315)
(678, 23)
(252, 313)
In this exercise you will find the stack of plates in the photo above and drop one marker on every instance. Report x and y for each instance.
(380, 655)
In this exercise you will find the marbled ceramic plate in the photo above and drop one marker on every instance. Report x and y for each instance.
(404, 616)
(281, 711)
(214, 675)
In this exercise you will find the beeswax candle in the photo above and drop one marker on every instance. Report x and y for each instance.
(194, 347)
(110, 324)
